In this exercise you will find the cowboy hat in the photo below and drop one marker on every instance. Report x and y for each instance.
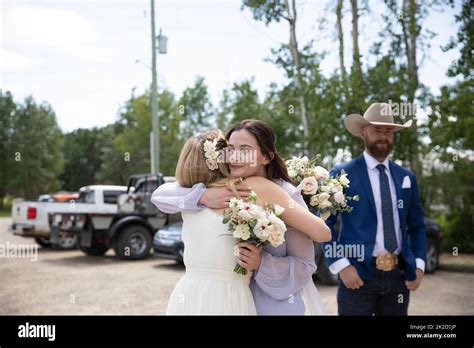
(379, 114)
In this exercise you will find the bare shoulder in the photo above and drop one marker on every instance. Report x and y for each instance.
(257, 181)
(264, 187)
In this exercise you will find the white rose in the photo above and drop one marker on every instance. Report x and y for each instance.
(325, 188)
(325, 204)
(339, 197)
(212, 164)
(211, 154)
(336, 188)
(320, 173)
(292, 172)
(210, 145)
(262, 229)
(276, 238)
(344, 180)
(323, 197)
(314, 200)
(275, 220)
(257, 211)
(310, 185)
(245, 214)
(242, 232)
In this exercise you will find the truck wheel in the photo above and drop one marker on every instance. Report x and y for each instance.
(67, 241)
(133, 243)
(96, 249)
(325, 275)
(432, 257)
(44, 242)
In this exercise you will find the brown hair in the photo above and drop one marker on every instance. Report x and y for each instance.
(192, 168)
(266, 139)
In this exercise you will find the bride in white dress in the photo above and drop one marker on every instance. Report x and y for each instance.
(210, 286)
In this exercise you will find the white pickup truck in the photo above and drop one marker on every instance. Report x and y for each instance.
(31, 218)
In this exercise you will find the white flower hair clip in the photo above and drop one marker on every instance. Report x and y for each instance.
(211, 154)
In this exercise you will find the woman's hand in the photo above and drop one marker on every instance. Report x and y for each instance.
(219, 197)
(249, 256)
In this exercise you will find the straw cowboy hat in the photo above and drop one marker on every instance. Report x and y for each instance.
(379, 114)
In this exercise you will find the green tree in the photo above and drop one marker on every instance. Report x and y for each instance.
(171, 137)
(239, 103)
(451, 126)
(114, 167)
(7, 110)
(82, 152)
(129, 150)
(36, 143)
(133, 143)
(196, 109)
(275, 11)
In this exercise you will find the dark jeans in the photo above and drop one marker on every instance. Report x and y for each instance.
(385, 294)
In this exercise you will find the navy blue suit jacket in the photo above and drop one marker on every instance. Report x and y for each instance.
(360, 225)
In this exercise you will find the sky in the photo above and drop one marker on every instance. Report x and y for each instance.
(84, 57)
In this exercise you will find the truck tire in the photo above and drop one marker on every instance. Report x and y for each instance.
(133, 242)
(324, 274)
(44, 242)
(67, 241)
(94, 250)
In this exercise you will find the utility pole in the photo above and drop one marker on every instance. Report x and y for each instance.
(155, 135)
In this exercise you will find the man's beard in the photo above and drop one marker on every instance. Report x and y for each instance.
(376, 151)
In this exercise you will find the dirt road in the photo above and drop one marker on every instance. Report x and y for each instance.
(68, 282)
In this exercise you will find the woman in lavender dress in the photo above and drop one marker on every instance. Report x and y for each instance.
(210, 286)
(282, 278)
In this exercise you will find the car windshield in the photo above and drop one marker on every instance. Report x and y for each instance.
(86, 197)
(110, 197)
(146, 185)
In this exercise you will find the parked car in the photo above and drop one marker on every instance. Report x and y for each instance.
(65, 196)
(168, 244)
(434, 240)
(45, 198)
(31, 218)
(129, 230)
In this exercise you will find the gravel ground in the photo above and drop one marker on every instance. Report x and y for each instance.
(68, 282)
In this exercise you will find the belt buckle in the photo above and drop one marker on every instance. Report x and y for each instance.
(387, 262)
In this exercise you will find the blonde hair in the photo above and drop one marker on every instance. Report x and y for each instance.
(192, 167)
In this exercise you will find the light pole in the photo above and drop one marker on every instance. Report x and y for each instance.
(155, 118)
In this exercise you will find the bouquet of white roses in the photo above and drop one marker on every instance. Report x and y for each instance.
(254, 224)
(320, 191)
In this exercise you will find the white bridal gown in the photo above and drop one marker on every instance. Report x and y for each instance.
(210, 286)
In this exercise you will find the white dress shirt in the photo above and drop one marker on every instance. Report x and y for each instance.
(379, 247)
